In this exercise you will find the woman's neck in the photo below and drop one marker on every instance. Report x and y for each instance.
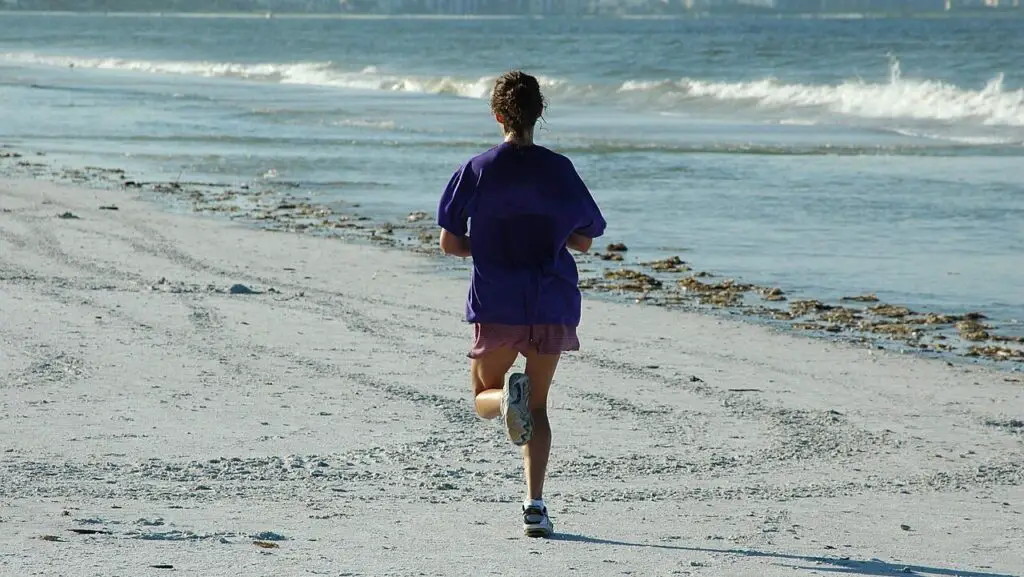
(520, 140)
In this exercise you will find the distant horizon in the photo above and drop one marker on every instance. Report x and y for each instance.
(963, 11)
(529, 9)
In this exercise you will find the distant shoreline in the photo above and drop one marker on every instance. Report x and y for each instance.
(723, 14)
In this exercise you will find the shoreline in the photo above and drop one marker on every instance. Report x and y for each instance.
(606, 273)
(961, 13)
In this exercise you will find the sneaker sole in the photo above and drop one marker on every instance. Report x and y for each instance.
(518, 419)
(539, 529)
(538, 533)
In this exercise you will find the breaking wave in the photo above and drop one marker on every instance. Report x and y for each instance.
(899, 98)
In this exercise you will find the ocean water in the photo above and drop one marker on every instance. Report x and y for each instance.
(826, 157)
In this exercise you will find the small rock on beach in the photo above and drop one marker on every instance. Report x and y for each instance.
(241, 289)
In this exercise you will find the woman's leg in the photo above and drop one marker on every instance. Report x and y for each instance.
(488, 376)
(540, 369)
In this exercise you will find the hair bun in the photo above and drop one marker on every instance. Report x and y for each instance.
(518, 100)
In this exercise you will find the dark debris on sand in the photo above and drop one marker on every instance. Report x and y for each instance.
(666, 282)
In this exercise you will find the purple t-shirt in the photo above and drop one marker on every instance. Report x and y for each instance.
(519, 204)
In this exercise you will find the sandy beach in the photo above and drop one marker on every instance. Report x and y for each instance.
(316, 421)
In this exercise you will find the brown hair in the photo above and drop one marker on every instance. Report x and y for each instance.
(517, 98)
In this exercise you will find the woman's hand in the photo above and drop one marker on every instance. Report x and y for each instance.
(579, 242)
(455, 245)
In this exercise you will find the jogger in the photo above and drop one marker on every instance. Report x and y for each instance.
(517, 209)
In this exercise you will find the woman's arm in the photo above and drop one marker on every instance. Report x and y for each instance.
(590, 222)
(455, 245)
(579, 242)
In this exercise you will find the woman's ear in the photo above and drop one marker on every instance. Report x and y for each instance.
(499, 118)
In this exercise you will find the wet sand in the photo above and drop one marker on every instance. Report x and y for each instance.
(186, 392)
(609, 271)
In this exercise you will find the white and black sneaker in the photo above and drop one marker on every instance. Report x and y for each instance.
(515, 409)
(536, 522)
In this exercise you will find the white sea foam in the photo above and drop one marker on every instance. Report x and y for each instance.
(366, 123)
(311, 73)
(798, 122)
(971, 140)
(899, 98)
(274, 72)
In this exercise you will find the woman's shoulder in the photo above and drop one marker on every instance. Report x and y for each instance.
(535, 153)
(507, 157)
(557, 159)
(485, 157)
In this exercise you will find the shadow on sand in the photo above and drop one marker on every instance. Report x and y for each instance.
(823, 564)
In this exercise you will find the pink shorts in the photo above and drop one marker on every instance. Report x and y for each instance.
(546, 339)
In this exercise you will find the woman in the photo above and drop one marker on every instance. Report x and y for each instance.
(526, 206)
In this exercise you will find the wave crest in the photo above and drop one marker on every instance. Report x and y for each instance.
(899, 98)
